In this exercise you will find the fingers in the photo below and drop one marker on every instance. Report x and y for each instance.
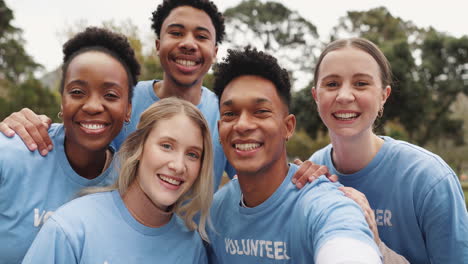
(308, 172)
(5, 129)
(31, 129)
(298, 162)
(362, 201)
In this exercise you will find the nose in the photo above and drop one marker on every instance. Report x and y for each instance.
(93, 105)
(345, 94)
(244, 123)
(177, 164)
(188, 43)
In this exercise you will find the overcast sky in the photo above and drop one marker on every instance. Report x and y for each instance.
(42, 20)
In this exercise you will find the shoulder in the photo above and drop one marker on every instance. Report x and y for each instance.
(224, 196)
(208, 101)
(14, 150)
(320, 155)
(419, 160)
(78, 211)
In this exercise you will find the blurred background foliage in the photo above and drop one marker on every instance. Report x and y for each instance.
(428, 105)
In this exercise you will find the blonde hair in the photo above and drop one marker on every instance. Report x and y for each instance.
(197, 200)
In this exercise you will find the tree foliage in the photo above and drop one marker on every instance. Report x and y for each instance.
(272, 27)
(429, 70)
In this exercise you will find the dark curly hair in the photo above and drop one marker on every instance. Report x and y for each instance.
(164, 9)
(252, 62)
(99, 39)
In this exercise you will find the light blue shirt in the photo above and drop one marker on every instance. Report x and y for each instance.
(289, 227)
(417, 199)
(32, 187)
(144, 96)
(98, 228)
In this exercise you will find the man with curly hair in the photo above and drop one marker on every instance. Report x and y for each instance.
(260, 217)
(188, 34)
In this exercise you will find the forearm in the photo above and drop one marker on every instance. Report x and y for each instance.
(390, 256)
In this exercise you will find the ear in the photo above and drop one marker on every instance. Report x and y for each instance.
(386, 93)
(128, 115)
(313, 91)
(215, 55)
(290, 125)
(157, 44)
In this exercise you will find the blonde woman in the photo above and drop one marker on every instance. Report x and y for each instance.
(148, 216)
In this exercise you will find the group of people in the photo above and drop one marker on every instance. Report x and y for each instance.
(129, 176)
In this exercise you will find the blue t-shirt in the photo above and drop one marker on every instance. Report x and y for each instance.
(417, 199)
(98, 228)
(289, 227)
(144, 96)
(32, 187)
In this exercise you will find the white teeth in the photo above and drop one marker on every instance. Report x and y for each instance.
(185, 62)
(248, 146)
(169, 180)
(346, 115)
(92, 126)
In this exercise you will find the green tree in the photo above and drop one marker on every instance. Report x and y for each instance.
(272, 27)
(15, 63)
(428, 69)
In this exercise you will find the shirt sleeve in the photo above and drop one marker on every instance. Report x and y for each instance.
(444, 222)
(350, 251)
(50, 246)
(329, 215)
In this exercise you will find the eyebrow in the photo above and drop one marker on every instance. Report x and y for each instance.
(175, 140)
(85, 83)
(355, 75)
(198, 28)
(259, 100)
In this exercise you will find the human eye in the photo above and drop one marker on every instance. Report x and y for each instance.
(228, 115)
(361, 83)
(193, 155)
(331, 84)
(76, 92)
(112, 96)
(175, 33)
(262, 112)
(202, 36)
(166, 146)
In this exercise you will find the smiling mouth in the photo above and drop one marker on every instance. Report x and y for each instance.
(247, 146)
(169, 180)
(186, 63)
(346, 116)
(93, 126)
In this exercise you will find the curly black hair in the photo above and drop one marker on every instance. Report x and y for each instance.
(164, 9)
(252, 62)
(99, 39)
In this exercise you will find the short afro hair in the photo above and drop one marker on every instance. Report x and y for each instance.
(164, 9)
(99, 39)
(252, 62)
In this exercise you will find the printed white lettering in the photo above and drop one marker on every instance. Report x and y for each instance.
(383, 217)
(41, 219)
(257, 248)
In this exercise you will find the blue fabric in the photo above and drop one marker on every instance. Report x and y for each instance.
(289, 227)
(144, 96)
(32, 187)
(98, 228)
(417, 199)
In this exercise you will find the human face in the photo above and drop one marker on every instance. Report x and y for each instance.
(171, 160)
(349, 92)
(187, 46)
(254, 125)
(94, 101)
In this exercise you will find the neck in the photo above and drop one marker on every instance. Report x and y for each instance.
(86, 163)
(351, 155)
(258, 186)
(170, 88)
(143, 209)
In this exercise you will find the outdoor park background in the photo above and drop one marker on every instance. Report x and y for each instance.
(428, 105)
